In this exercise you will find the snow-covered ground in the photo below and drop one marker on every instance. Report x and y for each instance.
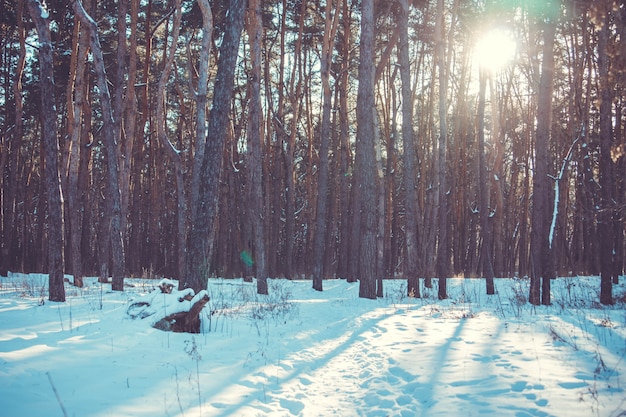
(298, 352)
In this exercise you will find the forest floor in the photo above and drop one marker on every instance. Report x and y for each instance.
(299, 352)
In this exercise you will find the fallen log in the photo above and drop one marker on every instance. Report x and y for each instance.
(169, 309)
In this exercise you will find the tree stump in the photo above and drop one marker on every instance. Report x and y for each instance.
(184, 321)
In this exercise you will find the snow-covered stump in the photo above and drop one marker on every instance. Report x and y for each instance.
(169, 309)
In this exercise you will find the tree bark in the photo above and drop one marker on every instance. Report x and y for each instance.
(50, 152)
(295, 91)
(330, 29)
(366, 158)
(170, 150)
(443, 248)
(118, 112)
(75, 192)
(114, 199)
(201, 100)
(203, 226)
(606, 233)
(409, 156)
(129, 115)
(255, 164)
(9, 158)
(483, 190)
(540, 248)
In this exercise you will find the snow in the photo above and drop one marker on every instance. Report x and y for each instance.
(299, 352)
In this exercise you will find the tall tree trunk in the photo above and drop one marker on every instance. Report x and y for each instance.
(606, 249)
(51, 152)
(75, 200)
(255, 164)
(170, 150)
(10, 155)
(129, 118)
(366, 158)
(620, 166)
(443, 247)
(483, 190)
(110, 145)
(321, 212)
(203, 226)
(201, 100)
(118, 111)
(380, 210)
(495, 180)
(344, 139)
(409, 156)
(295, 91)
(540, 248)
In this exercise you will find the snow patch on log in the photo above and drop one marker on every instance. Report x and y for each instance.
(169, 309)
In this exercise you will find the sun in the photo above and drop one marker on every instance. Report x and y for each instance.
(494, 49)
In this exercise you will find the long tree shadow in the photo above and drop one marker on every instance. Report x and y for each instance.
(301, 366)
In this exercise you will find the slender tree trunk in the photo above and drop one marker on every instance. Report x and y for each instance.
(295, 92)
(319, 249)
(540, 249)
(495, 180)
(524, 267)
(113, 188)
(75, 200)
(118, 111)
(380, 210)
(619, 222)
(203, 226)
(170, 150)
(255, 163)
(483, 190)
(10, 155)
(409, 156)
(443, 247)
(51, 152)
(129, 118)
(345, 163)
(620, 166)
(606, 249)
(201, 100)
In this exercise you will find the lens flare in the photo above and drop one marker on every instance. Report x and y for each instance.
(495, 49)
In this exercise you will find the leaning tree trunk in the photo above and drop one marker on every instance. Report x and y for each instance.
(113, 188)
(202, 233)
(51, 152)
